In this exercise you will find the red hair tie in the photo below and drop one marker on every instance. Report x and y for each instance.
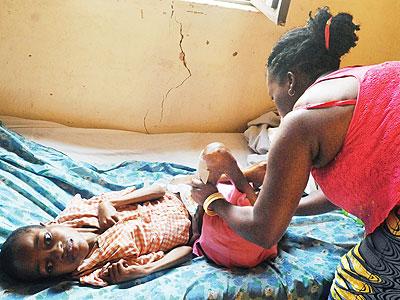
(327, 32)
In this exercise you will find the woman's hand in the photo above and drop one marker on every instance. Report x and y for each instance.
(201, 191)
(107, 215)
(120, 271)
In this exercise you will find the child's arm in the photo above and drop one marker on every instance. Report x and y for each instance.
(141, 195)
(173, 258)
(120, 271)
(107, 213)
(254, 174)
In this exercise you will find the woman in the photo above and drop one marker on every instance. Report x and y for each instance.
(343, 126)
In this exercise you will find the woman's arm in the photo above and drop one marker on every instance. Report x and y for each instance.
(288, 168)
(314, 204)
(120, 271)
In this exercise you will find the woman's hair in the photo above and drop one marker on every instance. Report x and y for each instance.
(303, 49)
(8, 255)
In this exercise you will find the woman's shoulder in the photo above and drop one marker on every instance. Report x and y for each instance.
(356, 71)
(335, 89)
(341, 84)
(324, 130)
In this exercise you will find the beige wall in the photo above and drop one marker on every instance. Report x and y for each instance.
(118, 63)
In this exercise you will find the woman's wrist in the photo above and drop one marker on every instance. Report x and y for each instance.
(209, 200)
(217, 206)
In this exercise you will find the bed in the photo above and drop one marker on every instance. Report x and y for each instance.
(43, 164)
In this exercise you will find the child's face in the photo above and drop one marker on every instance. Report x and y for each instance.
(50, 251)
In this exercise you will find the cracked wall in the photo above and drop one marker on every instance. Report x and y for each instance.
(156, 65)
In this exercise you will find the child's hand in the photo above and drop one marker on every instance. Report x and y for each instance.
(201, 191)
(107, 215)
(120, 271)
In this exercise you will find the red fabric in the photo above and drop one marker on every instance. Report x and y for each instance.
(331, 103)
(328, 33)
(222, 245)
(364, 178)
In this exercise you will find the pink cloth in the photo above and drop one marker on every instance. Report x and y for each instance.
(222, 245)
(364, 178)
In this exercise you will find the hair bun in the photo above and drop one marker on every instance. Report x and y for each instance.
(342, 30)
(303, 49)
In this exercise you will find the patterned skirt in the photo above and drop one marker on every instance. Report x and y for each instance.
(371, 270)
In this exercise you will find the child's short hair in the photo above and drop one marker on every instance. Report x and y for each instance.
(7, 253)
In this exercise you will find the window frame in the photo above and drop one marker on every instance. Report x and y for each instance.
(275, 10)
(241, 2)
(235, 4)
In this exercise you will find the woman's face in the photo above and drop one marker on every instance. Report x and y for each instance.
(50, 251)
(279, 95)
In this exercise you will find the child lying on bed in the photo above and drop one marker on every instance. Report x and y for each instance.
(106, 239)
(119, 236)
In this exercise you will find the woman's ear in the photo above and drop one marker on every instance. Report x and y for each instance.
(291, 83)
(291, 80)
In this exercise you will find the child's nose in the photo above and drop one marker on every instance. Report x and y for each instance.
(57, 251)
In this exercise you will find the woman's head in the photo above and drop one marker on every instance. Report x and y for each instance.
(34, 252)
(303, 54)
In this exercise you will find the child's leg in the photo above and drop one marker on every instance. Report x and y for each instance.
(220, 161)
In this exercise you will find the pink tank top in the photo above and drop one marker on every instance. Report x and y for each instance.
(364, 177)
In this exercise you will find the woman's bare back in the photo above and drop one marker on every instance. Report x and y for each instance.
(329, 125)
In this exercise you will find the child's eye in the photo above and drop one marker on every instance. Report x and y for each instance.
(49, 267)
(47, 238)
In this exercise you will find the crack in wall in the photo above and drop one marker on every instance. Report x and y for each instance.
(182, 57)
(172, 9)
(144, 122)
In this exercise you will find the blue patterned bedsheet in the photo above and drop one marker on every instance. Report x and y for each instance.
(37, 181)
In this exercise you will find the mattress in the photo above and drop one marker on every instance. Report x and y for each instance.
(43, 164)
(103, 146)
